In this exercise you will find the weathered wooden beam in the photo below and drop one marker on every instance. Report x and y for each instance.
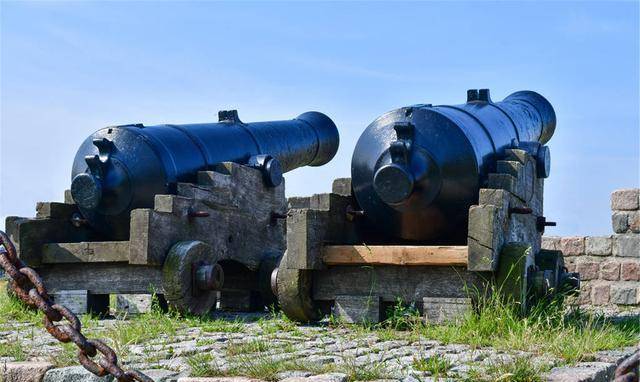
(85, 252)
(394, 255)
(393, 282)
(240, 217)
(102, 278)
(29, 235)
(54, 210)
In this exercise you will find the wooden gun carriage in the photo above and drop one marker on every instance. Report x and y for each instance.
(216, 240)
(333, 266)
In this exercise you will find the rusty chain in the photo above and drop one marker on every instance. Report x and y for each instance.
(28, 287)
(629, 369)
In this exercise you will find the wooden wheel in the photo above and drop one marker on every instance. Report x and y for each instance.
(268, 265)
(294, 293)
(178, 272)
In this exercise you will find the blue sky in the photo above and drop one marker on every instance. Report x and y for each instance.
(68, 69)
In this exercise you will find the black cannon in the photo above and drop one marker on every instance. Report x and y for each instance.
(417, 170)
(443, 200)
(120, 168)
(188, 212)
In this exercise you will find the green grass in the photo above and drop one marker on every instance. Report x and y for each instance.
(203, 365)
(254, 346)
(219, 326)
(12, 309)
(520, 370)
(277, 322)
(437, 366)
(14, 350)
(573, 337)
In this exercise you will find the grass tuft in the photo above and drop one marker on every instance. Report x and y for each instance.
(436, 365)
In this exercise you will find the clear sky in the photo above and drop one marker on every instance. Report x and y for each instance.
(69, 69)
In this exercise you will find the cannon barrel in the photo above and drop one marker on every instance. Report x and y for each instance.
(417, 170)
(120, 168)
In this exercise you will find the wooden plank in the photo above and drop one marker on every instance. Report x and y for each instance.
(85, 252)
(102, 278)
(394, 255)
(393, 282)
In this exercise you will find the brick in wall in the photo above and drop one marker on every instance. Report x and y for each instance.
(598, 245)
(610, 270)
(625, 200)
(624, 293)
(626, 245)
(588, 268)
(572, 246)
(600, 294)
(630, 271)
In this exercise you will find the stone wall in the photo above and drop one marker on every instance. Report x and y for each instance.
(609, 266)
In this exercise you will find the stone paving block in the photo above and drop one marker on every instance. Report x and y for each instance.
(600, 294)
(74, 374)
(610, 270)
(218, 379)
(626, 245)
(624, 293)
(572, 246)
(162, 375)
(24, 371)
(582, 372)
(626, 199)
(330, 377)
(620, 221)
(133, 303)
(630, 271)
(598, 245)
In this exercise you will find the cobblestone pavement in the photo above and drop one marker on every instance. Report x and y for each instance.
(278, 350)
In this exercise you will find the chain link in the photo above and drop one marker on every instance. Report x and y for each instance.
(629, 369)
(27, 285)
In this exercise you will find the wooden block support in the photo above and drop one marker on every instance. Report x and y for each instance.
(485, 236)
(394, 255)
(86, 252)
(506, 211)
(341, 186)
(133, 303)
(357, 309)
(242, 218)
(439, 310)
(81, 301)
(53, 210)
(75, 300)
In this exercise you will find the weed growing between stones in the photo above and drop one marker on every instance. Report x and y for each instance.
(13, 349)
(437, 366)
(253, 346)
(202, 365)
(520, 370)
